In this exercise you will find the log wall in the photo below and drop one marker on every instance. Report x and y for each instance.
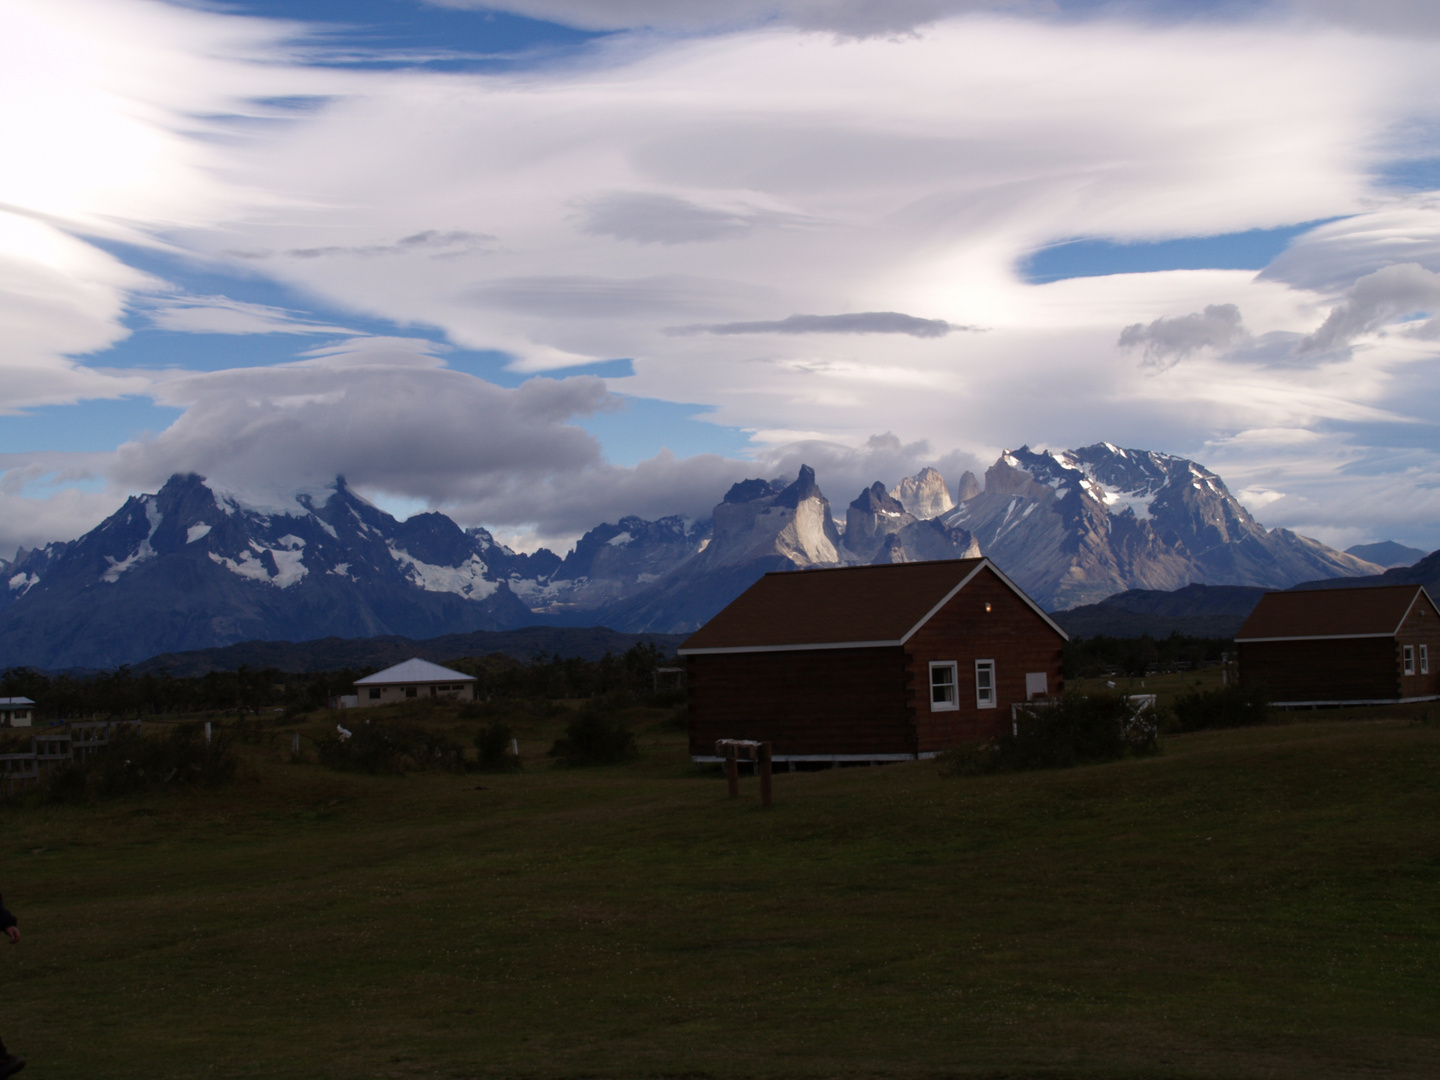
(1354, 669)
(814, 701)
(1010, 633)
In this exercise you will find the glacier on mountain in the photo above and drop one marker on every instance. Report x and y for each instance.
(470, 579)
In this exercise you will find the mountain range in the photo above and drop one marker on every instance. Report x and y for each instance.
(194, 567)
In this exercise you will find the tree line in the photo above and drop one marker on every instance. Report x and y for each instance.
(123, 693)
(1087, 658)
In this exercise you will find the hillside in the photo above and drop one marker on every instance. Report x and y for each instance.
(1251, 903)
(1209, 611)
(1424, 572)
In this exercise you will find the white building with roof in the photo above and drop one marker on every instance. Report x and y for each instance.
(413, 679)
(16, 712)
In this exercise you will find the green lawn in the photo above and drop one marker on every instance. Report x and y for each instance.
(1166, 687)
(1260, 903)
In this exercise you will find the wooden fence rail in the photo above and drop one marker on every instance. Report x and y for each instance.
(53, 749)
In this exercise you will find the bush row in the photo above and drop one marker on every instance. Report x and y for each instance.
(1079, 729)
(1076, 729)
(596, 736)
(133, 764)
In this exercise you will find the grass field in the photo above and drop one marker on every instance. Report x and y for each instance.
(1257, 903)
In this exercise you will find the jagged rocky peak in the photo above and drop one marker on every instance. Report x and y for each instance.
(760, 519)
(1026, 473)
(874, 515)
(925, 541)
(633, 549)
(1073, 526)
(745, 491)
(1117, 480)
(968, 487)
(277, 566)
(802, 489)
(24, 572)
(876, 500)
(924, 495)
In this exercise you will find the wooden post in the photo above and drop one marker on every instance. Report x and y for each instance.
(295, 743)
(207, 732)
(732, 771)
(764, 774)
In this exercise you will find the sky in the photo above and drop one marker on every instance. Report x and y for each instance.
(543, 263)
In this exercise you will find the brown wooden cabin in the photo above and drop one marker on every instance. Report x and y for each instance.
(1364, 646)
(869, 663)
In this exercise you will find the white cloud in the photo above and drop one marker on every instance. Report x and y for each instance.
(115, 113)
(35, 519)
(852, 17)
(1395, 229)
(1166, 341)
(1255, 499)
(221, 315)
(1405, 291)
(386, 414)
(860, 322)
(58, 296)
(1407, 18)
(432, 242)
(571, 213)
(845, 471)
(665, 219)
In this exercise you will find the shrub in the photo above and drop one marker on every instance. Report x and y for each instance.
(493, 748)
(1228, 707)
(597, 736)
(132, 763)
(666, 697)
(390, 746)
(250, 732)
(1076, 729)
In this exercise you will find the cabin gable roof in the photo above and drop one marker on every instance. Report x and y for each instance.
(848, 607)
(414, 670)
(1318, 614)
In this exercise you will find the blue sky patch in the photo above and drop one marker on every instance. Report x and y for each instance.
(644, 426)
(606, 369)
(84, 427)
(205, 352)
(1417, 174)
(200, 279)
(379, 34)
(1250, 250)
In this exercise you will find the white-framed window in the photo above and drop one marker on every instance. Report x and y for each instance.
(985, 684)
(374, 693)
(943, 677)
(1409, 659)
(1424, 660)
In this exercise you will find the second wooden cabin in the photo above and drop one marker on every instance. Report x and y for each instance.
(1358, 646)
(870, 663)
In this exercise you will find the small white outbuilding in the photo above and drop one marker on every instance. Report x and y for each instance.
(413, 679)
(16, 712)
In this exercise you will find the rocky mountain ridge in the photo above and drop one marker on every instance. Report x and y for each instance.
(1076, 526)
(191, 567)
